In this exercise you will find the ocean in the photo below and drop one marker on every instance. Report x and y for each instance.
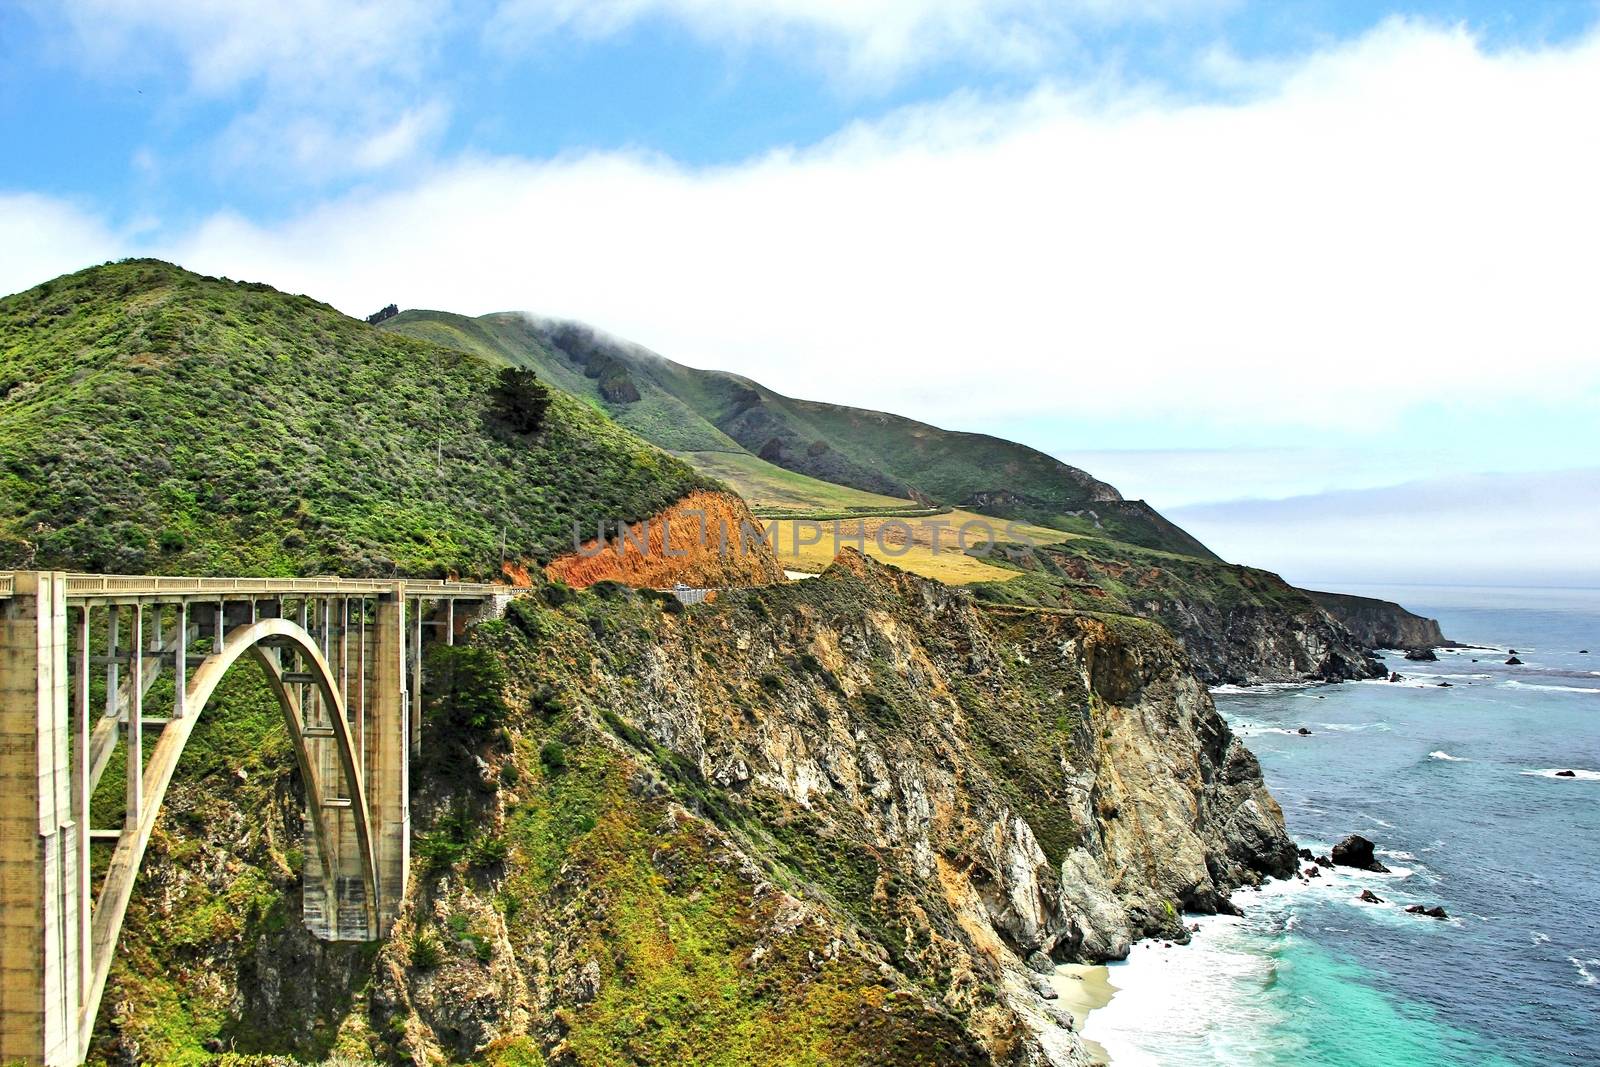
(1457, 786)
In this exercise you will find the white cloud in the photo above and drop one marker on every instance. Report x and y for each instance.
(1399, 221)
(866, 40)
(42, 237)
(1477, 529)
(312, 77)
(301, 46)
(1172, 478)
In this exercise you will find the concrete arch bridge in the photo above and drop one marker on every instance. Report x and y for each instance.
(80, 656)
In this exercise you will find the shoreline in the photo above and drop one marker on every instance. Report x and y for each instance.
(1081, 989)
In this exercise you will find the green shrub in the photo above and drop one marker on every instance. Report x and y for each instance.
(426, 950)
(466, 691)
(487, 851)
(438, 850)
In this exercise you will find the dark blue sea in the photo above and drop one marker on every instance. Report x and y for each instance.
(1457, 786)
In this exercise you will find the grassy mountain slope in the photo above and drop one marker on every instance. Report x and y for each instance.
(772, 490)
(871, 451)
(152, 420)
(654, 413)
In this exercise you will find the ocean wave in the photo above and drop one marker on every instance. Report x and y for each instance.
(1259, 690)
(1354, 727)
(1380, 822)
(1514, 684)
(1395, 853)
(1555, 772)
(1440, 754)
(1585, 976)
(1188, 996)
(1540, 938)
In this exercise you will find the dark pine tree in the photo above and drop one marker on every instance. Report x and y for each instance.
(521, 399)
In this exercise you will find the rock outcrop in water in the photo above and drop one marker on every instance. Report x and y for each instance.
(1356, 851)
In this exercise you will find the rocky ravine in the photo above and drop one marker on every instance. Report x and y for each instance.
(830, 821)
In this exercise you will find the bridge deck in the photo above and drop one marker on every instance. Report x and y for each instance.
(115, 586)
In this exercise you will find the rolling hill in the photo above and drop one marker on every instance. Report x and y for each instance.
(707, 414)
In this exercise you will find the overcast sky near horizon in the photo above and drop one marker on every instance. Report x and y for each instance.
(1210, 250)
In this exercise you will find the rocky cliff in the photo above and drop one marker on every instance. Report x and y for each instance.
(1380, 623)
(1238, 625)
(827, 821)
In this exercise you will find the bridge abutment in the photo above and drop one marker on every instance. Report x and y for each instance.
(41, 937)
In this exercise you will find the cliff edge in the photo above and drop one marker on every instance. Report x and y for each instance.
(1380, 623)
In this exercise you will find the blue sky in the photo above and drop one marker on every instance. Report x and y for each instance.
(103, 103)
(1208, 249)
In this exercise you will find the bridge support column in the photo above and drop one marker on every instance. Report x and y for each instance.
(40, 934)
(334, 902)
(389, 761)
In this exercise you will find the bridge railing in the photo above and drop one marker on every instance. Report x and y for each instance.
(89, 585)
(99, 586)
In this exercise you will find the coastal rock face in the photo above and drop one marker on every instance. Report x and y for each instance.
(969, 787)
(1238, 625)
(1379, 623)
(1253, 644)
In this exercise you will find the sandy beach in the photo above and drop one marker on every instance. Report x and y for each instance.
(1082, 988)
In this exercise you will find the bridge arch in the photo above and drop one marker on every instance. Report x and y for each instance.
(57, 936)
(263, 641)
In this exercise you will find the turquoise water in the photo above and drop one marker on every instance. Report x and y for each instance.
(1457, 787)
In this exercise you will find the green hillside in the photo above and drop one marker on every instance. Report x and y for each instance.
(634, 400)
(156, 421)
(700, 411)
(775, 492)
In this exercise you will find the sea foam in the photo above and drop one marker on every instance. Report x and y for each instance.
(1514, 684)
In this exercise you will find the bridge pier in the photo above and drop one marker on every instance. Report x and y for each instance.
(41, 917)
(334, 902)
